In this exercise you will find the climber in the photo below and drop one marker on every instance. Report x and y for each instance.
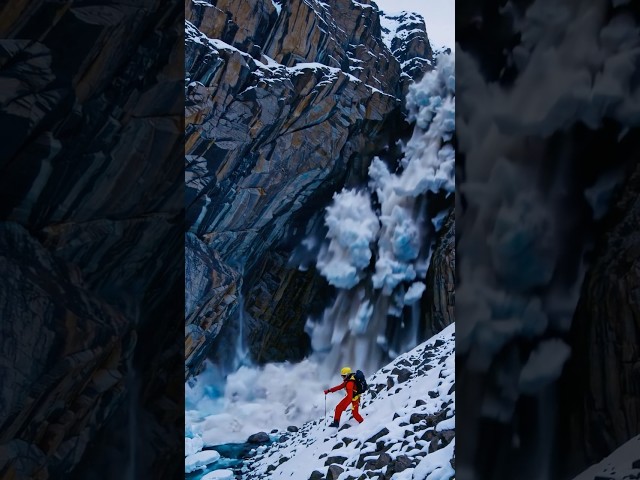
(352, 397)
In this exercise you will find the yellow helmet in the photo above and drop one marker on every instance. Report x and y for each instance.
(345, 371)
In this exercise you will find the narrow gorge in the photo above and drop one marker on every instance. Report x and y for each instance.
(319, 176)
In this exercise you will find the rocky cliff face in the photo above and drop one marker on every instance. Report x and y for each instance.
(439, 299)
(90, 239)
(286, 102)
(603, 393)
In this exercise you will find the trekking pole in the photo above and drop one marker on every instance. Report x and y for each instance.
(325, 409)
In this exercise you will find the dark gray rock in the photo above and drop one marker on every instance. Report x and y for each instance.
(334, 472)
(260, 437)
(316, 475)
(377, 436)
(382, 461)
(439, 301)
(402, 462)
(336, 459)
(292, 428)
(446, 436)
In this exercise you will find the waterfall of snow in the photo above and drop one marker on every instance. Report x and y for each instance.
(379, 240)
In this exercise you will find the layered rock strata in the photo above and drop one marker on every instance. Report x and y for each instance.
(285, 102)
(91, 239)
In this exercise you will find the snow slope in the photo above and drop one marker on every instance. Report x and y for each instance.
(622, 464)
(408, 432)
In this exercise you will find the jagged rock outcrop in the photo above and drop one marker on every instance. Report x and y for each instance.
(91, 235)
(211, 294)
(439, 297)
(279, 298)
(70, 349)
(603, 392)
(407, 39)
(283, 105)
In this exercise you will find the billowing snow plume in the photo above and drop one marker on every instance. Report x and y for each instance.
(379, 260)
(353, 227)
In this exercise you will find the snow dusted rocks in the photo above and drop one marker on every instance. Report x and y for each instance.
(408, 432)
(622, 464)
(284, 100)
(406, 37)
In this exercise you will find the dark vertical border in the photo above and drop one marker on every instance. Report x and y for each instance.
(92, 239)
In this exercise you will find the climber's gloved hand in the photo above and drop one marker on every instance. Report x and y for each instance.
(326, 391)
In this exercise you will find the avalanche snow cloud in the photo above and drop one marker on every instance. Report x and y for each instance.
(379, 240)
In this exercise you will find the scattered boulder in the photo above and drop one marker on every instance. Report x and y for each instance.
(292, 428)
(435, 445)
(419, 403)
(336, 459)
(377, 436)
(383, 460)
(446, 436)
(403, 374)
(260, 437)
(316, 475)
(402, 462)
(431, 420)
(334, 472)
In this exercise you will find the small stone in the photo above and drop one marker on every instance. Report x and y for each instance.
(292, 428)
(419, 403)
(316, 475)
(433, 394)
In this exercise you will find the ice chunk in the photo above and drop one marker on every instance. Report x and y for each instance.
(414, 293)
(219, 475)
(199, 460)
(192, 445)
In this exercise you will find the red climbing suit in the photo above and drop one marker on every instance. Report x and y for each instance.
(350, 398)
